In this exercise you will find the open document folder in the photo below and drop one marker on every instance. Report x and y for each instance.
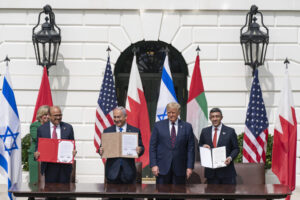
(56, 150)
(119, 145)
(213, 158)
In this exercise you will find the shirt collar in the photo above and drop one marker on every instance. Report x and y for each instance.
(176, 122)
(219, 127)
(124, 127)
(52, 125)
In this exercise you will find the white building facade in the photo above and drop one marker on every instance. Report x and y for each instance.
(89, 27)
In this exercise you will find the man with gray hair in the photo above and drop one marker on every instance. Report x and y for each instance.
(172, 150)
(122, 170)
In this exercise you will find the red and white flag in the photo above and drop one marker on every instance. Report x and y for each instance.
(137, 111)
(285, 138)
(44, 96)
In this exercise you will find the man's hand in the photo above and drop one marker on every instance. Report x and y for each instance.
(188, 173)
(155, 170)
(74, 152)
(228, 160)
(138, 150)
(101, 150)
(206, 146)
(36, 155)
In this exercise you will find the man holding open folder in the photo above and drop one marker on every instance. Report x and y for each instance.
(121, 170)
(55, 129)
(219, 135)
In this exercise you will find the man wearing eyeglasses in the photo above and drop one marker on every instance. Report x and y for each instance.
(55, 129)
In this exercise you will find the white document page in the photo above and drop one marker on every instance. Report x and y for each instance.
(129, 144)
(65, 151)
(219, 157)
(205, 157)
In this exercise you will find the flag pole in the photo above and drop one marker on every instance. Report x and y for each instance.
(6, 60)
(134, 50)
(286, 62)
(108, 51)
(198, 50)
(167, 50)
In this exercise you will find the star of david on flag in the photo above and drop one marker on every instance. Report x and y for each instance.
(9, 140)
(166, 92)
(10, 137)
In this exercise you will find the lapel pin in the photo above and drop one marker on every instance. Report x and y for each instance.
(223, 133)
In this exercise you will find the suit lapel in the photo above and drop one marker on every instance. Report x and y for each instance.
(48, 130)
(210, 136)
(222, 134)
(167, 127)
(128, 128)
(62, 129)
(113, 128)
(179, 131)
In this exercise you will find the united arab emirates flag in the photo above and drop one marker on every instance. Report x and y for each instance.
(197, 113)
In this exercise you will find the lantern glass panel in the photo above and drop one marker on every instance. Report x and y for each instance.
(248, 54)
(40, 52)
(264, 50)
(260, 51)
(254, 51)
(36, 51)
(55, 52)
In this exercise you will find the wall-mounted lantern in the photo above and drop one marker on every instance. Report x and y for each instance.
(253, 40)
(47, 40)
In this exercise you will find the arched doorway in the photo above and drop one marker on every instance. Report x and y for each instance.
(150, 59)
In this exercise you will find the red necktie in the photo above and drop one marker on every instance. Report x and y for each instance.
(173, 135)
(54, 135)
(215, 137)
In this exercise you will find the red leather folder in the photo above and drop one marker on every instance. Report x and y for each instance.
(48, 149)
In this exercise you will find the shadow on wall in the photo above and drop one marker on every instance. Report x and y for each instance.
(59, 78)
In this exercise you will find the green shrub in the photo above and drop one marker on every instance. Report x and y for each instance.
(268, 164)
(26, 141)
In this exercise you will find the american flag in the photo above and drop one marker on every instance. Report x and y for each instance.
(256, 130)
(107, 101)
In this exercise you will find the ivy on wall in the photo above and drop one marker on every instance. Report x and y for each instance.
(268, 164)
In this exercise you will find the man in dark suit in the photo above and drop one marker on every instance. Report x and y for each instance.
(55, 129)
(122, 170)
(172, 151)
(219, 135)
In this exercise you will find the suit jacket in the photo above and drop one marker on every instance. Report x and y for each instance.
(66, 133)
(227, 138)
(182, 156)
(112, 166)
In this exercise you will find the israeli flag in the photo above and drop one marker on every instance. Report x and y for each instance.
(10, 136)
(166, 92)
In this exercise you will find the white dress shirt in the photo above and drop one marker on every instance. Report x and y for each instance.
(58, 130)
(176, 126)
(218, 132)
(124, 128)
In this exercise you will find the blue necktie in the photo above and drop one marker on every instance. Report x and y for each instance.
(121, 129)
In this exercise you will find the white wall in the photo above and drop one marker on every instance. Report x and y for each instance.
(88, 27)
